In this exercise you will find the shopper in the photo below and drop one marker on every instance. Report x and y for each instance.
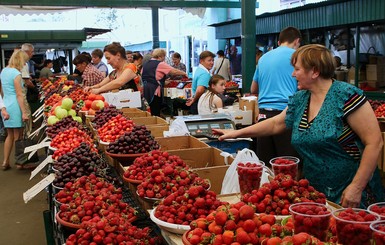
(177, 64)
(201, 79)
(90, 74)
(235, 61)
(11, 83)
(273, 83)
(97, 55)
(222, 66)
(3, 116)
(210, 102)
(46, 72)
(334, 130)
(129, 55)
(116, 57)
(154, 74)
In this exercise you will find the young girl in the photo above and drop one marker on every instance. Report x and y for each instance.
(209, 102)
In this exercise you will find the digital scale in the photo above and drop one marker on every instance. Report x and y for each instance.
(200, 126)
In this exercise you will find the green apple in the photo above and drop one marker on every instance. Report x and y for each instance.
(67, 103)
(61, 113)
(78, 119)
(52, 120)
(72, 113)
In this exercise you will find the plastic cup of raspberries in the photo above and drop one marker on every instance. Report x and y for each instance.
(312, 218)
(378, 229)
(285, 165)
(249, 176)
(378, 208)
(353, 225)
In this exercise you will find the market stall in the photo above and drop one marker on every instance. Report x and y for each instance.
(112, 178)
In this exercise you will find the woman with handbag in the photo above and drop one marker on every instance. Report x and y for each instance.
(12, 87)
(222, 66)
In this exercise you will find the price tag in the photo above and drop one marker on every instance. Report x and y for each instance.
(41, 166)
(36, 147)
(37, 130)
(41, 108)
(36, 189)
(37, 118)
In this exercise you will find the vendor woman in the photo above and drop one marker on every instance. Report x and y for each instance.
(115, 55)
(334, 130)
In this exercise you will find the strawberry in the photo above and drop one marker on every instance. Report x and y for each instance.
(249, 225)
(242, 237)
(228, 237)
(221, 218)
(246, 212)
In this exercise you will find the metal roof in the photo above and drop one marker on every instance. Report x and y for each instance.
(331, 13)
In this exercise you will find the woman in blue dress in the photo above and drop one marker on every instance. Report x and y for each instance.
(13, 99)
(334, 130)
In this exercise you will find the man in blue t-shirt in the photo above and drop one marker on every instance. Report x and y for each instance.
(201, 79)
(273, 82)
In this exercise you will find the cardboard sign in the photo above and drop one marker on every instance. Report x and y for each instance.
(36, 189)
(37, 131)
(123, 98)
(38, 111)
(41, 166)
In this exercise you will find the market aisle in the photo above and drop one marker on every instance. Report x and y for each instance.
(20, 223)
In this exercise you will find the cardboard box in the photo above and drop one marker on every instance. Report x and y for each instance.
(351, 75)
(250, 103)
(180, 142)
(157, 130)
(123, 98)
(135, 112)
(208, 163)
(375, 72)
(154, 120)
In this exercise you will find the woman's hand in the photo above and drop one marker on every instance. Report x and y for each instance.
(225, 133)
(4, 114)
(86, 89)
(351, 197)
(189, 102)
(95, 91)
(25, 117)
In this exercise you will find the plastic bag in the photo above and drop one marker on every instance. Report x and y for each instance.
(177, 128)
(230, 181)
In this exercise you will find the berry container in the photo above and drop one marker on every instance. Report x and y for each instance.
(378, 229)
(378, 208)
(285, 165)
(312, 218)
(353, 225)
(249, 176)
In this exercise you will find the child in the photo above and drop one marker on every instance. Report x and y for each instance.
(209, 102)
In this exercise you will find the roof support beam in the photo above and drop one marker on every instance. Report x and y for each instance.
(126, 3)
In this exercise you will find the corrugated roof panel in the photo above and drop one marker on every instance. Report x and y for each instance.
(312, 16)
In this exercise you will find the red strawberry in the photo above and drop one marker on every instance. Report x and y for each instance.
(246, 212)
(221, 218)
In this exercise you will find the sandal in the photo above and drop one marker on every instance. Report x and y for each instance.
(25, 166)
(5, 167)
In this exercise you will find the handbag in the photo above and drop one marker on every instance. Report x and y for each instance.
(220, 65)
(20, 145)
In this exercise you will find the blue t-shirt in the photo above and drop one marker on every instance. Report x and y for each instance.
(274, 77)
(201, 78)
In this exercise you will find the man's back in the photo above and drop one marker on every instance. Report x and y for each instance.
(275, 83)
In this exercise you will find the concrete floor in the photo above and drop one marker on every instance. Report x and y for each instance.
(20, 223)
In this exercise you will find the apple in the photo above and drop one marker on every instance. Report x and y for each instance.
(91, 112)
(67, 103)
(61, 113)
(72, 112)
(97, 105)
(52, 120)
(57, 108)
(78, 119)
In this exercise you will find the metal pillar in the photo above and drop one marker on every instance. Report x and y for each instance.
(357, 67)
(155, 27)
(248, 43)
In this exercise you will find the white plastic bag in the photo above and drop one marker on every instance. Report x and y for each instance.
(230, 181)
(177, 128)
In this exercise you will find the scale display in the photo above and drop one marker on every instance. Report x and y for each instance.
(202, 128)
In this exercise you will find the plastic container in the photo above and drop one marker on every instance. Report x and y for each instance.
(378, 208)
(353, 232)
(378, 230)
(249, 176)
(316, 224)
(285, 165)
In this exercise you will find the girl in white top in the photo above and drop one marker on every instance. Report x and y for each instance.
(209, 102)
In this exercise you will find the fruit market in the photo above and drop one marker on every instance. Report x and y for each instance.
(290, 149)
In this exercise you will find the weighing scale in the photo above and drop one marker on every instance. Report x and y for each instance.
(200, 126)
